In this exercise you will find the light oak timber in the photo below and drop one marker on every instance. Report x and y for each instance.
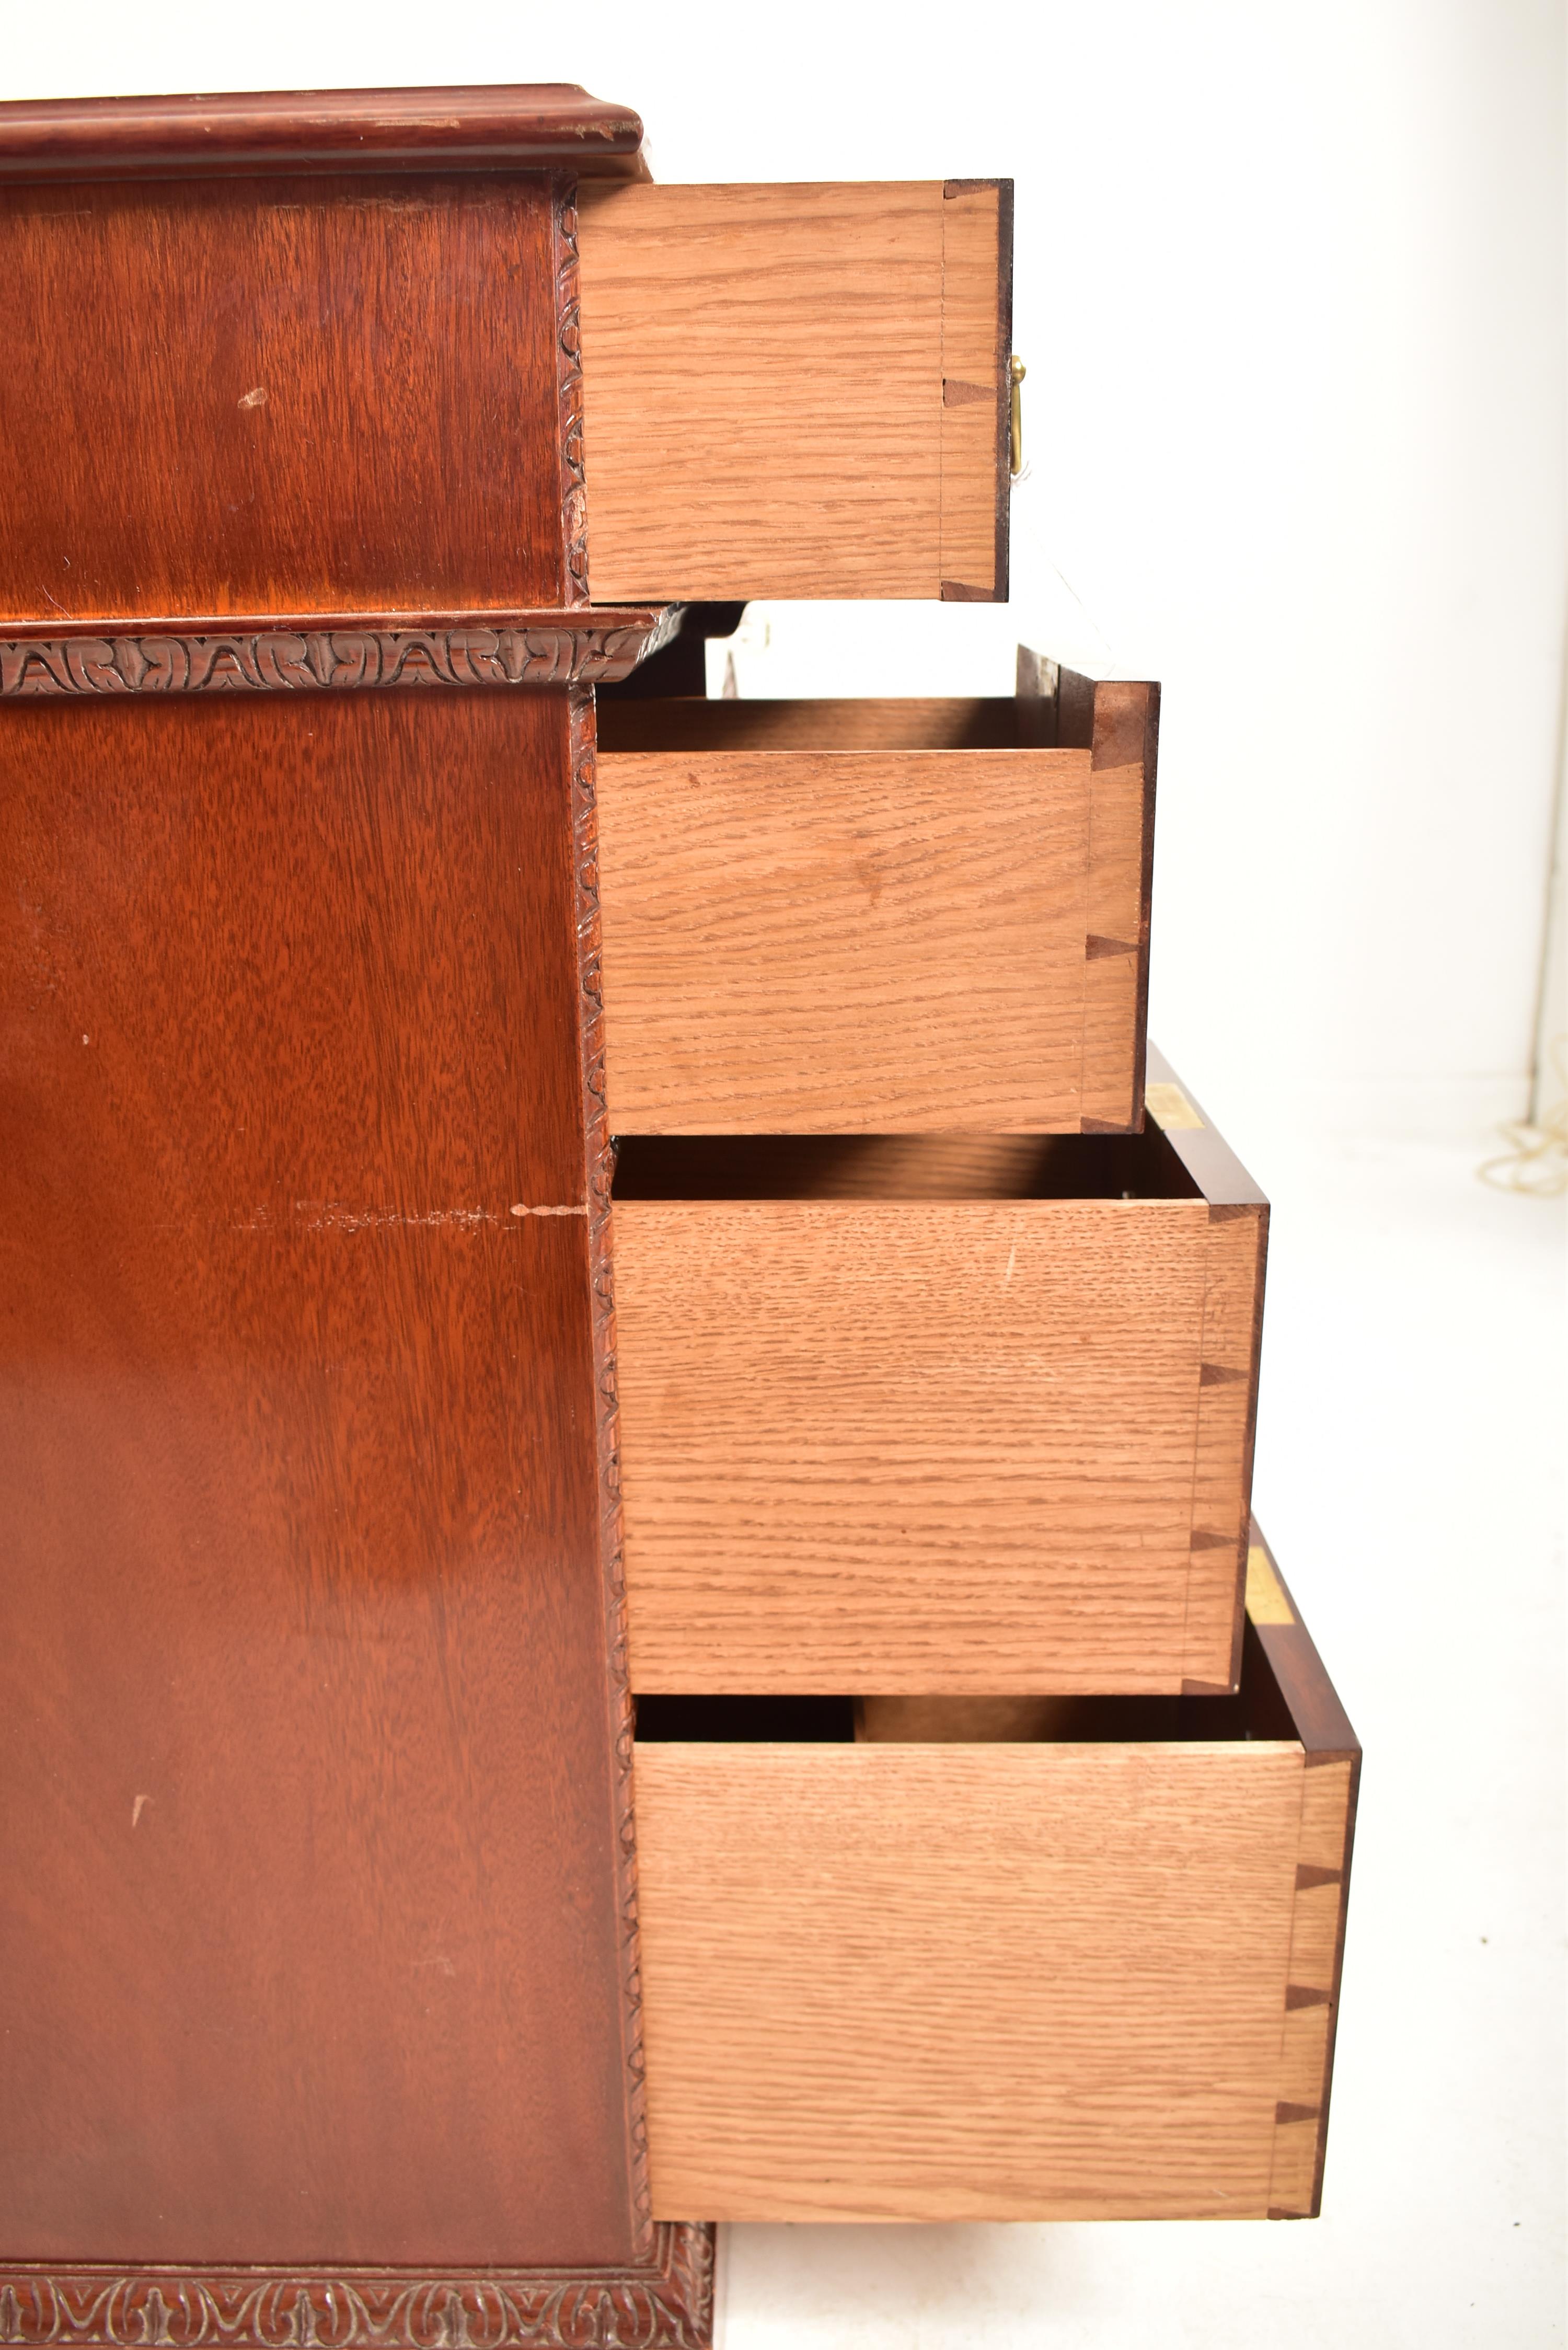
(1232, 1348)
(904, 1983)
(875, 915)
(838, 942)
(977, 333)
(1011, 1978)
(910, 1425)
(1122, 730)
(765, 412)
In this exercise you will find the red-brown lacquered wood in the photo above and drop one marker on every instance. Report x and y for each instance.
(296, 395)
(510, 126)
(310, 1936)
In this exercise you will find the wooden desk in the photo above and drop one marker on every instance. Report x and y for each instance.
(356, 440)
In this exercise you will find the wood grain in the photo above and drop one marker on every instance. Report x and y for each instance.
(929, 1413)
(1311, 1991)
(285, 395)
(504, 125)
(763, 390)
(1329, 1799)
(900, 1446)
(1222, 1460)
(846, 941)
(977, 240)
(999, 1982)
(312, 1945)
(1037, 1958)
(1119, 724)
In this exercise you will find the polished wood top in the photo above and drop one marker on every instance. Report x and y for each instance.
(516, 126)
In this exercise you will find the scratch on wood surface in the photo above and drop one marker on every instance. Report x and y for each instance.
(137, 1807)
(336, 1216)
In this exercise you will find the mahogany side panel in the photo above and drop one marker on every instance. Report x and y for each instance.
(280, 395)
(308, 1819)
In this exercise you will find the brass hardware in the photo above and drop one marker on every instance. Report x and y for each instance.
(1266, 1601)
(1169, 1107)
(1016, 372)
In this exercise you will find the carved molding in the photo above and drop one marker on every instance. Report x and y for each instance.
(553, 651)
(601, 1158)
(665, 2304)
(569, 380)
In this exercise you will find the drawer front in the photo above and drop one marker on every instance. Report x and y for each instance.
(812, 923)
(966, 1444)
(797, 392)
(996, 1982)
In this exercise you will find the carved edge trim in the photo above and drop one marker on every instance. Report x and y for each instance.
(666, 2304)
(570, 383)
(600, 1172)
(292, 661)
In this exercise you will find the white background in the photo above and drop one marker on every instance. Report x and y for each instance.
(1290, 287)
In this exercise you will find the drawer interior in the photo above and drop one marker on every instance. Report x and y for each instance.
(1258, 1710)
(859, 723)
(894, 1166)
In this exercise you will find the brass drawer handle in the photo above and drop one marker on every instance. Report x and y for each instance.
(1016, 372)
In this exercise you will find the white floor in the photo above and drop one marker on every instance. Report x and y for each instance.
(1410, 1477)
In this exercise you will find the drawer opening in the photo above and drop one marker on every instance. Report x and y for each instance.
(1258, 1710)
(867, 722)
(902, 1167)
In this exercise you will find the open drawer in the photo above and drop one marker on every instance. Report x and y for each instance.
(937, 1412)
(1006, 1960)
(869, 916)
(797, 390)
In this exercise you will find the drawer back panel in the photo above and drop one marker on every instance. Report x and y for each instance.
(931, 1412)
(829, 940)
(797, 390)
(998, 1958)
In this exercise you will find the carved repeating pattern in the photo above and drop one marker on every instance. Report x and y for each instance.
(569, 376)
(601, 1175)
(666, 2305)
(285, 661)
